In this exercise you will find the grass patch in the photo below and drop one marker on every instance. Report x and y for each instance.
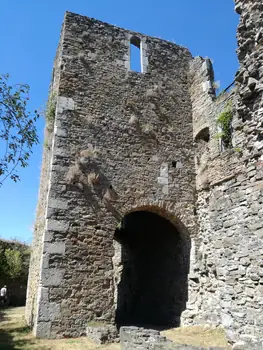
(15, 335)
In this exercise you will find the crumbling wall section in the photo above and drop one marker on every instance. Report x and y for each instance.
(229, 274)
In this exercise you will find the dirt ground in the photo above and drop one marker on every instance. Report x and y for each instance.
(15, 335)
(198, 336)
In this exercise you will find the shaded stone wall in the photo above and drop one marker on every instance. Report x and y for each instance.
(227, 288)
(123, 140)
(33, 286)
(37, 244)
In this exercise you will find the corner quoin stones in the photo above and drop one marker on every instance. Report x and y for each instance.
(140, 128)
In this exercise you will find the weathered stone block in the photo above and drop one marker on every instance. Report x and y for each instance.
(52, 277)
(134, 338)
(54, 248)
(57, 225)
(102, 334)
(42, 330)
(65, 103)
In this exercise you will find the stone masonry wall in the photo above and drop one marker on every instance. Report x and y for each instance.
(38, 237)
(123, 142)
(227, 289)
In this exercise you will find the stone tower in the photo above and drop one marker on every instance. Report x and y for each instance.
(145, 215)
(118, 183)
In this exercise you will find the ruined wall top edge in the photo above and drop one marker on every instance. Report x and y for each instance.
(87, 21)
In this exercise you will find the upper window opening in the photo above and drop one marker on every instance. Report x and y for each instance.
(135, 54)
(203, 135)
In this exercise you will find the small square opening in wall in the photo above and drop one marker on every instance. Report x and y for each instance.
(177, 164)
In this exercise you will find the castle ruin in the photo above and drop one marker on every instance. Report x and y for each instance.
(148, 212)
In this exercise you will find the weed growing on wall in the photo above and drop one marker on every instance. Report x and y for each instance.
(224, 121)
(93, 179)
(51, 110)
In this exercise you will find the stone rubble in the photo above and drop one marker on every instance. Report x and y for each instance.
(135, 338)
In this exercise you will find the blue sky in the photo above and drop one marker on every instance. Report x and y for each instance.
(29, 36)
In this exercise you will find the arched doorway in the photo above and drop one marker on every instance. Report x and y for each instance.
(155, 256)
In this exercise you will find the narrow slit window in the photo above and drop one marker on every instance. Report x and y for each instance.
(135, 54)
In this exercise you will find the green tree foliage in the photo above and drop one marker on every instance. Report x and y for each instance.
(3, 263)
(18, 132)
(14, 262)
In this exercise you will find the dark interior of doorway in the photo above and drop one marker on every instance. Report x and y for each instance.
(153, 289)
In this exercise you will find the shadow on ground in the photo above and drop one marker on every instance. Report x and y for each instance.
(11, 332)
(14, 334)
